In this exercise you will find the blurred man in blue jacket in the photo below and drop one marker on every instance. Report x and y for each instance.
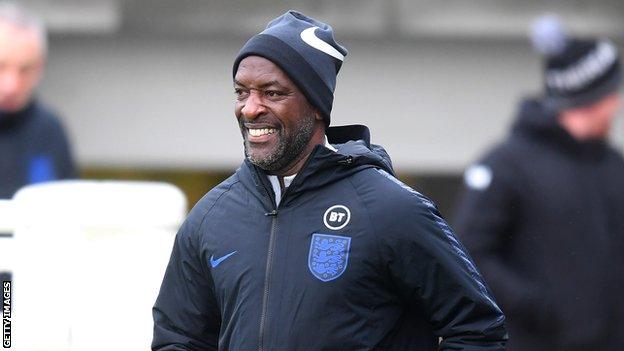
(33, 145)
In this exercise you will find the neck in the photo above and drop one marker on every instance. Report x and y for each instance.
(11, 118)
(16, 111)
(295, 167)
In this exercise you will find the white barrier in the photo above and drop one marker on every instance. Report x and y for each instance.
(87, 262)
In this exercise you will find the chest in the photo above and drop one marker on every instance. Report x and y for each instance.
(317, 250)
(563, 197)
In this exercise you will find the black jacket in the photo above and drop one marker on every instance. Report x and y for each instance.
(547, 234)
(33, 148)
(351, 259)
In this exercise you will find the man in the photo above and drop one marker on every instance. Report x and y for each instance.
(33, 146)
(543, 212)
(313, 244)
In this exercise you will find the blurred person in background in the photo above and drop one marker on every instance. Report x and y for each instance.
(543, 212)
(313, 244)
(33, 145)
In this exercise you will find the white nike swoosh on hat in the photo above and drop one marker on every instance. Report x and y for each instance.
(310, 38)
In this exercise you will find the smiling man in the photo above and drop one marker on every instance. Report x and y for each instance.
(313, 244)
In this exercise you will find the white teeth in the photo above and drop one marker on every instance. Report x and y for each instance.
(260, 132)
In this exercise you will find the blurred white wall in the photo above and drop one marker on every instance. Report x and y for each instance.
(169, 102)
(437, 82)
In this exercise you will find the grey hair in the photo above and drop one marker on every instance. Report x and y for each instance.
(13, 14)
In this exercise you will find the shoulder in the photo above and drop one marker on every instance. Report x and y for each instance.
(214, 196)
(614, 155)
(208, 202)
(500, 164)
(510, 151)
(47, 121)
(388, 198)
(402, 216)
(45, 114)
(374, 182)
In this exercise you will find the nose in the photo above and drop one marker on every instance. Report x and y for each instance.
(254, 106)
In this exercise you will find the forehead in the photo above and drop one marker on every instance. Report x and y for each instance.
(258, 70)
(19, 44)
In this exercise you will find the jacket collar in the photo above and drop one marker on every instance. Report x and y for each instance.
(537, 120)
(324, 166)
(9, 120)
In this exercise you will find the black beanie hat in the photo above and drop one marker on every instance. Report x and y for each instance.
(306, 50)
(577, 72)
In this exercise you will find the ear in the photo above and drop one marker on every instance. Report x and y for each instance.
(317, 115)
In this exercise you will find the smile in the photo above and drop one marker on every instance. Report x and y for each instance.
(256, 132)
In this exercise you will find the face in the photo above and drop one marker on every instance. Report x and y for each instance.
(594, 121)
(278, 124)
(21, 65)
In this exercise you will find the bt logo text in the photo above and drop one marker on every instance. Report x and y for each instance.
(337, 217)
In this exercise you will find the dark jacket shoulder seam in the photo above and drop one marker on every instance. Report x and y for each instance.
(205, 215)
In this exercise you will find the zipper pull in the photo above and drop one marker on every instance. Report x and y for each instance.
(271, 214)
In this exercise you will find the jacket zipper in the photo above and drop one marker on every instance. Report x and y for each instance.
(267, 278)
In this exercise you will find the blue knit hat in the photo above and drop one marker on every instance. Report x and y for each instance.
(306, 50)
(578, 72)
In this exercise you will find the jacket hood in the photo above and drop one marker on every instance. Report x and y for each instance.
(536, 119)
(535, 116)
(324, 166)
(354, 141)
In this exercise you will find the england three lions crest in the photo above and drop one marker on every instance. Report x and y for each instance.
(329, 256)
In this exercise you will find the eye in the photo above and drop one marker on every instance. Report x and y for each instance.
(240, 93)
(273, 93)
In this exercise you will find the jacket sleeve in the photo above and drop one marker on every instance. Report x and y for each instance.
(434, 274)
(485, 220)
(186, 316)
(64, 159)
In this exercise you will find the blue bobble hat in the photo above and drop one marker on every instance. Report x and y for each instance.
(577, 72)
(306, 50)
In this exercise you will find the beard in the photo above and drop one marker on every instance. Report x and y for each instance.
(290, 144)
